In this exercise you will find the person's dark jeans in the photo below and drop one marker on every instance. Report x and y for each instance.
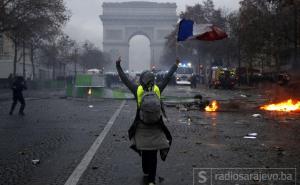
(149, 163)
(16, 98)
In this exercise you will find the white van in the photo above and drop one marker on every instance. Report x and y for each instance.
(184, 74)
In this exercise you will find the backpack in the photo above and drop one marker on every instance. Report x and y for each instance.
(151, 108)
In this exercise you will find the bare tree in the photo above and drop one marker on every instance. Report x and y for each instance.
(31, 22)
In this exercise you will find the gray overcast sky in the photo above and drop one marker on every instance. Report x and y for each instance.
(86, 25)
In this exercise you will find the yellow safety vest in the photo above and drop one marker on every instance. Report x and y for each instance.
(140, 93)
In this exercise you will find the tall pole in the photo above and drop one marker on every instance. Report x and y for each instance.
(75, 66)
(176, 49)
(199, 60)
(15, 56)
(296, 64)
(32, 60)
(202, 74)
(24, 55)
(239, 56)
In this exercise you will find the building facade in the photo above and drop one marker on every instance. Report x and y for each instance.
(42, 70)
(7, 59)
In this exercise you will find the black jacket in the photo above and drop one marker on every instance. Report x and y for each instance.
(18, 85)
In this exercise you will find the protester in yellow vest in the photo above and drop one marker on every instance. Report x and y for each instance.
(148, 139)
(140, 92)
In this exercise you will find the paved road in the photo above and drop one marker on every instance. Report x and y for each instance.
(59, 132)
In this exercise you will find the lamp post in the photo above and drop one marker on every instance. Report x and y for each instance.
(296, 64)
(239, 53)
(75, 65)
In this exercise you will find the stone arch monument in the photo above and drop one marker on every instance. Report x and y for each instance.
(122, 21)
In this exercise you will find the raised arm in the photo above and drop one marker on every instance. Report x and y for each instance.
(168, 77)
(131, 86)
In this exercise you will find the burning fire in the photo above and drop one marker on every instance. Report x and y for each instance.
(90, 91)
(286, 106)
(212, 107)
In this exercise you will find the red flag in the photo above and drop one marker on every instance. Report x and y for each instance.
(214, 33)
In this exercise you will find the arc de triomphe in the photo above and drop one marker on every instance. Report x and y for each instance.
(122, 21)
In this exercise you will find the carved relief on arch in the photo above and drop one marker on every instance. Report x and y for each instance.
(113, 34)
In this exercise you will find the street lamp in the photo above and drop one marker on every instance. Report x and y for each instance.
(75, 64)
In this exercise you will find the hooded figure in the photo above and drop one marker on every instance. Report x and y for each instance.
(147, 78)
(147, 139)
(17, 87)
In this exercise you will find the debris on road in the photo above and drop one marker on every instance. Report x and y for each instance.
(250, 136)
(280, 151)
(195, 103)
(189, 121)
(35, 161)
(95, 167)
(213, 156)
(183, 109)
(227, 137)
(182, 121)
(256, 115)
(244, 96)
(170, 105)
(161, 179)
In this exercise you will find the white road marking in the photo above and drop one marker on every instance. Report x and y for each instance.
(82, 166)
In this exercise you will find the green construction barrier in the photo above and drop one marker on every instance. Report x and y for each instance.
(83, 80)
(84, 83)
(69, 89)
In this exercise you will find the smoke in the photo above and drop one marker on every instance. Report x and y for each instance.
(139, 53)
(277, 92)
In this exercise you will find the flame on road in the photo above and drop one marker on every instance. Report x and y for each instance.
(286, 106)
(212, 107)
(90, 91)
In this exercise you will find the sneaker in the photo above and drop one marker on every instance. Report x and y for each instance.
(151, 183)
